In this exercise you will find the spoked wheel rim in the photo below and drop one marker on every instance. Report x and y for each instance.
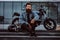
(49, 24)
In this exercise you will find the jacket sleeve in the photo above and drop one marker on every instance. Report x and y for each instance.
(36, 17)
(21, 20)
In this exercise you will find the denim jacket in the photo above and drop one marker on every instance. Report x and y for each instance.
(23, 17)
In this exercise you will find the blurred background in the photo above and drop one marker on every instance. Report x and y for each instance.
(7, 9)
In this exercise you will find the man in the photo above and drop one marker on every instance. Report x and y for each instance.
(28, 19)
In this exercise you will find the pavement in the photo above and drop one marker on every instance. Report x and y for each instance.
(40, 27)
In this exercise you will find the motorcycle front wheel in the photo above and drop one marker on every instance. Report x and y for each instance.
(50, 24)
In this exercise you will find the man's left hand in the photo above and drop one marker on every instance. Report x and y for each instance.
(32, 21)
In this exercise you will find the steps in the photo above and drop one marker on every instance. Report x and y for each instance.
(41, 35)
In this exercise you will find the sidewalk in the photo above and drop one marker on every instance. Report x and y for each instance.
(40, 27)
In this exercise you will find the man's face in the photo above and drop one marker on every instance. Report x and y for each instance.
(28, 8)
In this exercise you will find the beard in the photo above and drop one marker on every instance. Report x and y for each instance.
(28, 10)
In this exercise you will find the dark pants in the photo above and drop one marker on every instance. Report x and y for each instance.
(26, 27)
(32, 30)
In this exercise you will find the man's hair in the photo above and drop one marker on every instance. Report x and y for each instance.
(28, 4)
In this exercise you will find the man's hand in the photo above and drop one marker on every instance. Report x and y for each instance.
(32, 21)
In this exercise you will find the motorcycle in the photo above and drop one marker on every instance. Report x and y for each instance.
(48, 23)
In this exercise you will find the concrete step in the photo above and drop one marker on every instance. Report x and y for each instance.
(38, 33)
(41, 35)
